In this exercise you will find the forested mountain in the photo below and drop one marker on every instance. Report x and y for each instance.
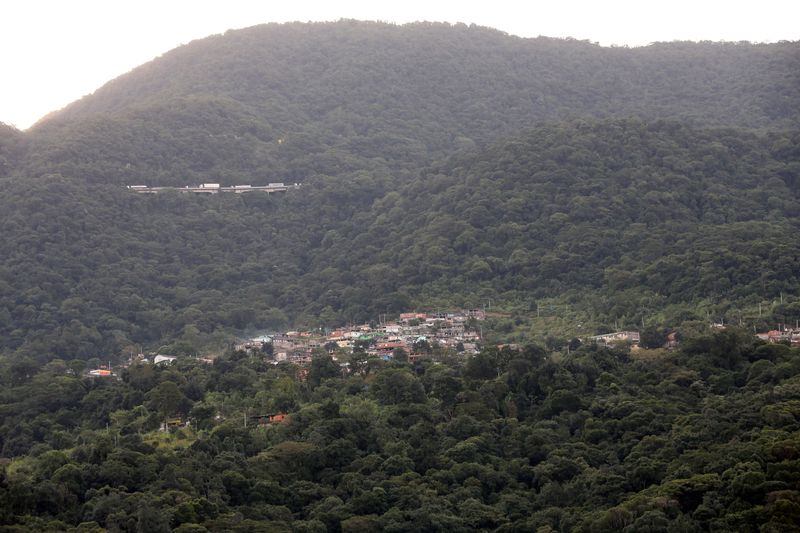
(628, 216)
(439, 164)
(286, 101)
(676, 212)
(459, 77)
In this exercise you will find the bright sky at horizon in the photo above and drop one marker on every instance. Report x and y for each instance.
(54, 52)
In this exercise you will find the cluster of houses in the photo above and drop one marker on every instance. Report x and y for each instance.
(617, 337)
(105, 371)
(415, 335)
(792, 336)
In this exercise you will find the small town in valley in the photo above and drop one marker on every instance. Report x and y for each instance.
(411, 337)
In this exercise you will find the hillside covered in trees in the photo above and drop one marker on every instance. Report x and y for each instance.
(445, 165)
(702, 439)
(624, 219)
(288, 101)
(438, 165)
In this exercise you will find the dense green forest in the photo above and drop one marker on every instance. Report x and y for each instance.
(570, 187)
(702, 439)
(283, 102)
(622, 219)
(441, 165)
(637, 211)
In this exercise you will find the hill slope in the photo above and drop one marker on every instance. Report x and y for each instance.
(439, 166)
(624, 215)
(288, 100)
(418, 187)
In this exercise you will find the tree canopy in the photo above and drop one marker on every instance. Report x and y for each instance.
(702, 438)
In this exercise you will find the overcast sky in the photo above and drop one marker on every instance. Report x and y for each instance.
(53, 52)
